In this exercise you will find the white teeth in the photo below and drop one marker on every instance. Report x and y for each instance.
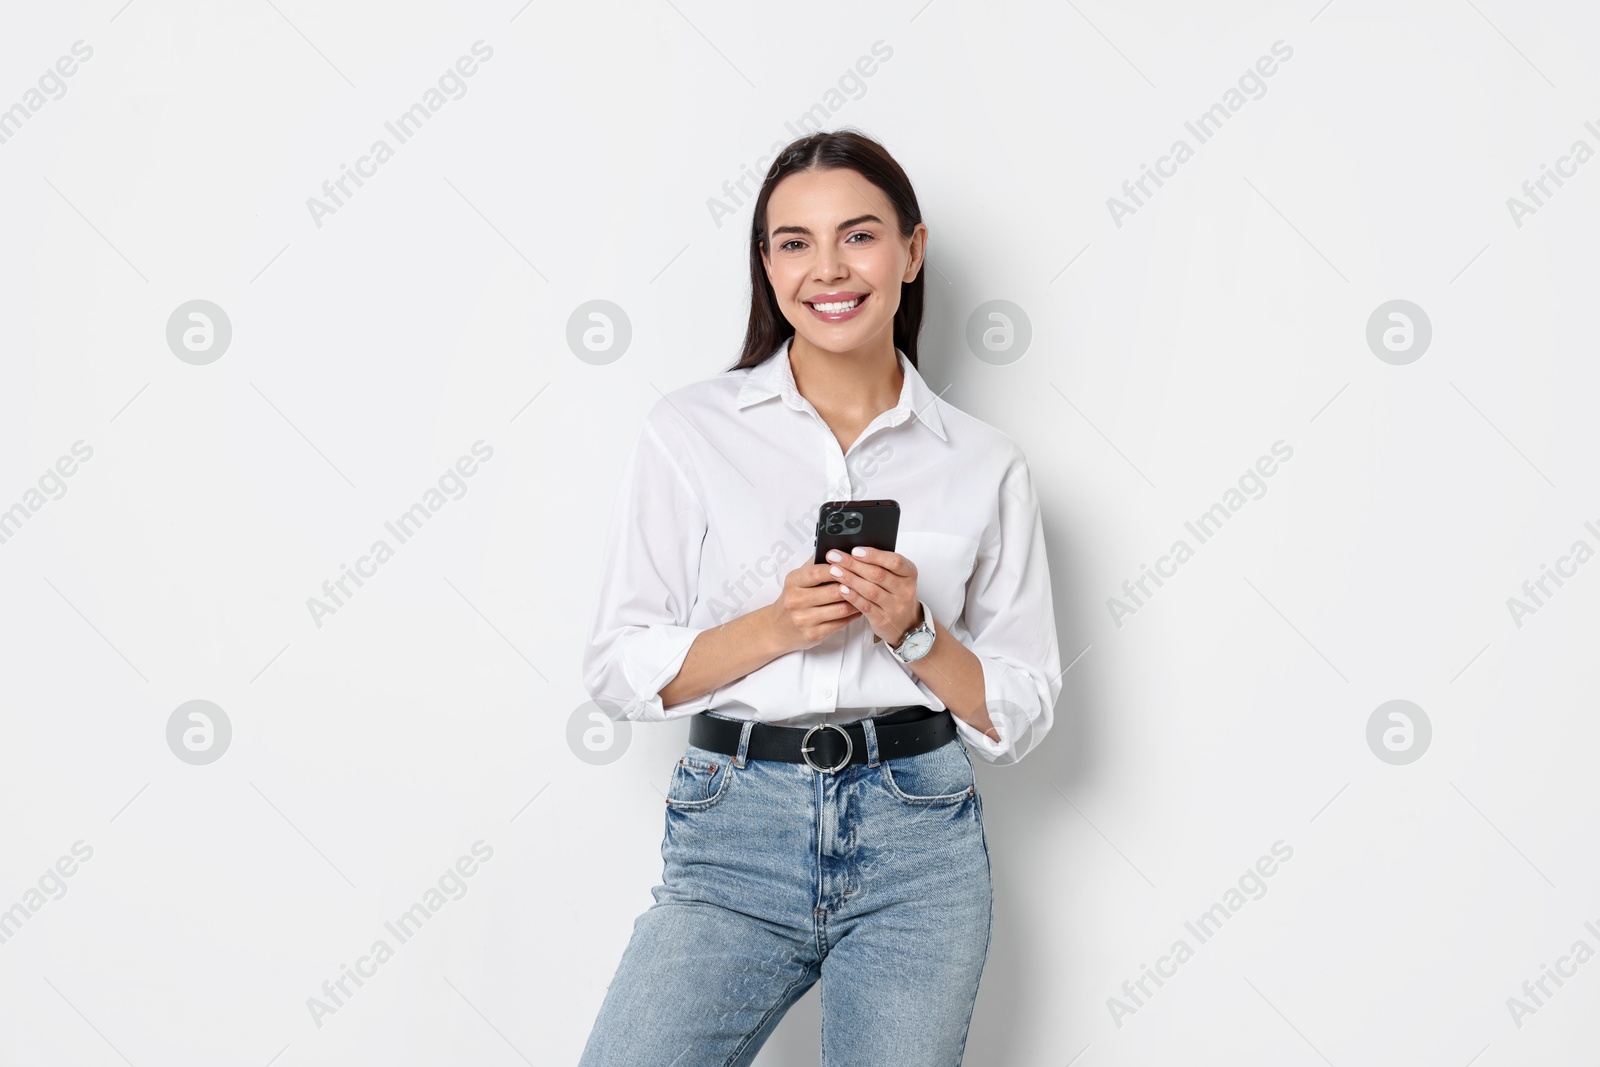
(836, 306)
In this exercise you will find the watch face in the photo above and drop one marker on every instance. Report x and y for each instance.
(917, 645)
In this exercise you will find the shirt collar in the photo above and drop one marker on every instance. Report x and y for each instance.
(775, 377)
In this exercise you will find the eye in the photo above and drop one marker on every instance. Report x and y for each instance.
(859, 233)
(785, 246)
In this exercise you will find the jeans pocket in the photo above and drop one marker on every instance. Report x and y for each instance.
(699, 779)
(940, 776)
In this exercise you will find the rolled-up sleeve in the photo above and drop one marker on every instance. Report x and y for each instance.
(648, 584)
(1010, 625)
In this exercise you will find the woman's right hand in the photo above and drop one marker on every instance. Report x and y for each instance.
(809, 608)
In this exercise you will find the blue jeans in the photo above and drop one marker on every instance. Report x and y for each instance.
(874, 878)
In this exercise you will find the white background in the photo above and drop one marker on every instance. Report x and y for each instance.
(431, 710)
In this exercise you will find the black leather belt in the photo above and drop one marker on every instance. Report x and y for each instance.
(907, 731)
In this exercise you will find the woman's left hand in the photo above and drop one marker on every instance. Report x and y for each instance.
(883, 586)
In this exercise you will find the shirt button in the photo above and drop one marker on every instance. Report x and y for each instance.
(828, 693)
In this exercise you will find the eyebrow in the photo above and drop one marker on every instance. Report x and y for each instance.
(845, 225)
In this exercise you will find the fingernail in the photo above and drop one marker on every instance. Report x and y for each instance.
(845, 590)
(834, 556)
(858, 551)
(836, 572)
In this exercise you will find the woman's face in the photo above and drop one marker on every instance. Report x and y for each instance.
(836, 260)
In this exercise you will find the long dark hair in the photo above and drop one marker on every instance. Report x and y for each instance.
(844, 149)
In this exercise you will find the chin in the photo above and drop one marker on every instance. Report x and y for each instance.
(841, 341)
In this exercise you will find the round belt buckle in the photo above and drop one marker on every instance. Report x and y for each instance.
(806, 749)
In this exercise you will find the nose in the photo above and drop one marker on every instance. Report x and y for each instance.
(829, 266)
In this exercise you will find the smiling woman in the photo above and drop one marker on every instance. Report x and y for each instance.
(823, 823)
(858, 240)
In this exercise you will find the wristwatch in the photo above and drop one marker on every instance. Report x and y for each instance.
(918, 641)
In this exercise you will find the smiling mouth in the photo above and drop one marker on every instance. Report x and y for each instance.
(835, 307)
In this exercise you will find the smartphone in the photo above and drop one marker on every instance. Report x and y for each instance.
(844, 524)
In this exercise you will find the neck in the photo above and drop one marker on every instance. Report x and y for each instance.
(861, 382)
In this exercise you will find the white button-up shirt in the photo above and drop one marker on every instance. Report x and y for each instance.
(719, 501)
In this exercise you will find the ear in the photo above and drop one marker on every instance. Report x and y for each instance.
(919, 246)
(766, 263)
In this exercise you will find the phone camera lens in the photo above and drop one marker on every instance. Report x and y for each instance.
(836, 529)
(853, 522)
